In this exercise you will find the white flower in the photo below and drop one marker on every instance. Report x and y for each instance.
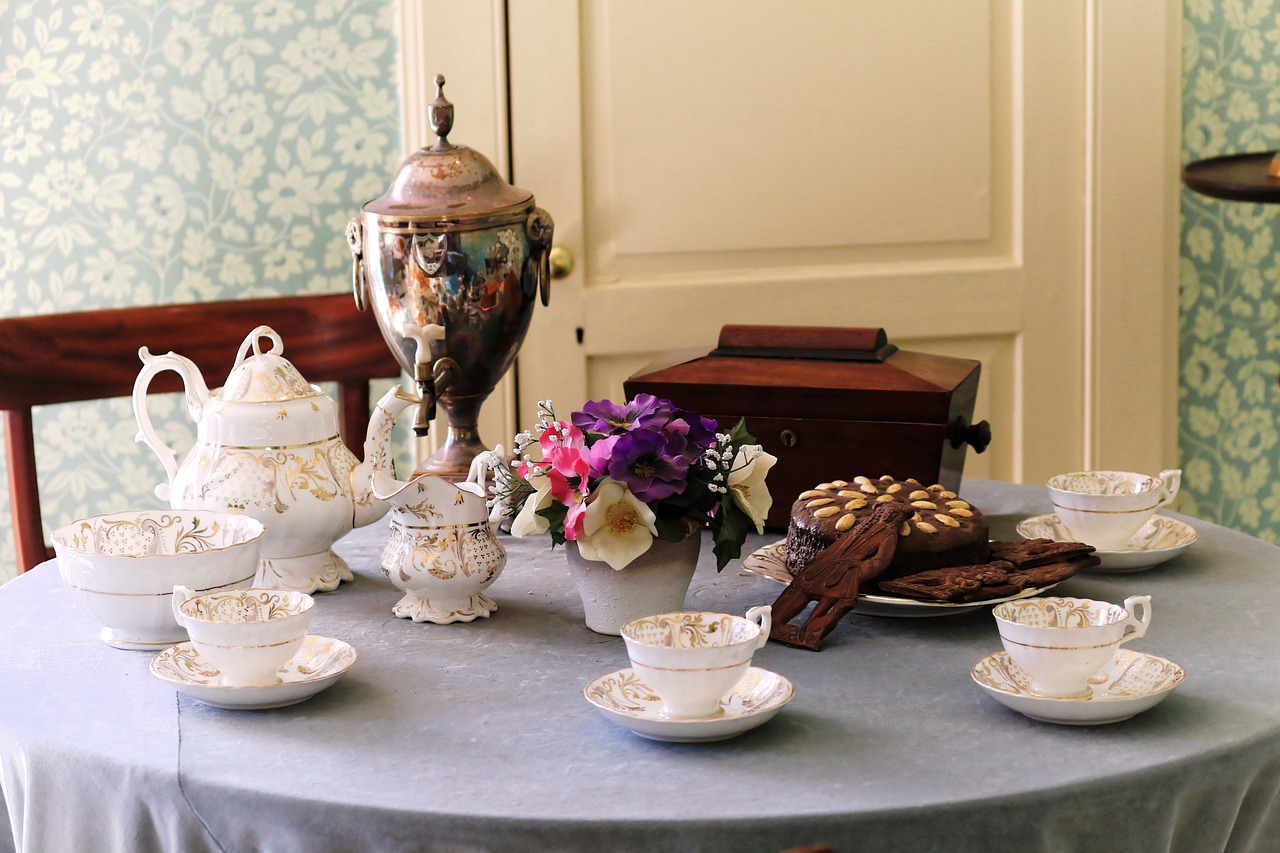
(747, 486)
(617, 527)
(527, 521)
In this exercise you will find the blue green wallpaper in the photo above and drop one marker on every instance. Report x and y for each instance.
(1230, 273)
(159, 151)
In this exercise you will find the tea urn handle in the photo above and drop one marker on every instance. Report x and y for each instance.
(355, 242)
(540, 228)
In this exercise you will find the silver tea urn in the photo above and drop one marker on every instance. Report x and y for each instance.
(451, 257)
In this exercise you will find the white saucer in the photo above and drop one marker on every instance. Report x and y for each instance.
(317, 665)
(629, 702)
(1132, 683)
(1160, 539)
(769, 562)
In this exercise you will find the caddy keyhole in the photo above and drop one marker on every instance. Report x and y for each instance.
(788, 438)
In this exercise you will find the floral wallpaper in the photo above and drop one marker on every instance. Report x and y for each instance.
(1229, 400)
(156, 151)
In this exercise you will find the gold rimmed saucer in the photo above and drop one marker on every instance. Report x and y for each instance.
(629, 702)
(1131, 683)
(316, 666)
(1159, 540)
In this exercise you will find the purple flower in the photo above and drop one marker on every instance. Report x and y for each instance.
(653, 466)
(699, 432)
(608, 418)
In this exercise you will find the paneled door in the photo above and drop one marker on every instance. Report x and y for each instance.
(993, 180)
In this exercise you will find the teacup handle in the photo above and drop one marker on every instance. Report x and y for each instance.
(1139, 624)
(1172, 482)
(762, 616)
(180, 596)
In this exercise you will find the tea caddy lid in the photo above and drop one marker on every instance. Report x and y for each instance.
(448, 183)
(264, 377)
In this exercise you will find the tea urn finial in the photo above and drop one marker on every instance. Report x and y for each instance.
(440, 114)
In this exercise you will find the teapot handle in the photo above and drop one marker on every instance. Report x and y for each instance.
(197, 394)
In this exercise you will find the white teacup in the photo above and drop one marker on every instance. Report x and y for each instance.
(248, 634)
(693, 659)
(1060, 642)
(1105, 508)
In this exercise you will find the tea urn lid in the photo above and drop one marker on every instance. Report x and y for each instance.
(264, 377)
(448, 183)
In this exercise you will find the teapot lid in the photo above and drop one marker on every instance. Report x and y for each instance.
(264, 377)
(448, 182)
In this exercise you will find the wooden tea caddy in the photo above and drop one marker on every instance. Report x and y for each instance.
(829, 403)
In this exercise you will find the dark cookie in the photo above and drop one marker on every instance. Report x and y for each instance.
(1029, 553)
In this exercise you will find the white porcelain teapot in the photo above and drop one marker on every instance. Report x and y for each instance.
(266, 446)
(443, 551)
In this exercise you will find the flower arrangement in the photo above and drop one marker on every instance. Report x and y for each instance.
(613, 478)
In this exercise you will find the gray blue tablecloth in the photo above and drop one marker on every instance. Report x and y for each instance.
(476, 737)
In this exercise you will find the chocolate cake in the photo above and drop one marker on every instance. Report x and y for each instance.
(942, 529)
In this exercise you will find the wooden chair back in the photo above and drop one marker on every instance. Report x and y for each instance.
(93, 355)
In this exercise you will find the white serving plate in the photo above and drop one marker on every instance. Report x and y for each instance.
(629, 702)
(1160, 539)
(1132, 683)
(316, 666)
(768, 562)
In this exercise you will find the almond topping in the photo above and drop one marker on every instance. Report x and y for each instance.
(958, 504)
(919, 495)
(812, 493)
(894, 489)
(869, 489)
(844, 522)
(936, 487)
(839, 484)
(849, 493)
(861, 481)
(820, 502)
(825, 486)
(884, 499)
(963, 513)
(926, 527)
(857, 503)
(947, 520)
(886, 479)
(905, 530)
(912, 480)
(947, 495)
(924, 505)
(826, 512)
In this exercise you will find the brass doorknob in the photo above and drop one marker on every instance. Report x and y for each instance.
(561, 262)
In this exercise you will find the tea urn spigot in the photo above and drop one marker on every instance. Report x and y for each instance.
(451, 258)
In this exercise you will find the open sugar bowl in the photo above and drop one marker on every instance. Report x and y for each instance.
(248, 634)
(692, 659)
(121, 567)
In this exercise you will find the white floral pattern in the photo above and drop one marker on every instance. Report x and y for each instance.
(1230, 273)
(157, 151)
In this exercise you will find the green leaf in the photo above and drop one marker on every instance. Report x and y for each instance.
(730, 533)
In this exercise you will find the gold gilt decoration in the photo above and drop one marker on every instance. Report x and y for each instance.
(691, 630)
(272, 478)
(154, 533)
(244, 606)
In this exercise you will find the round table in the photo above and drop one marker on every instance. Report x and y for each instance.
(472, 737)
